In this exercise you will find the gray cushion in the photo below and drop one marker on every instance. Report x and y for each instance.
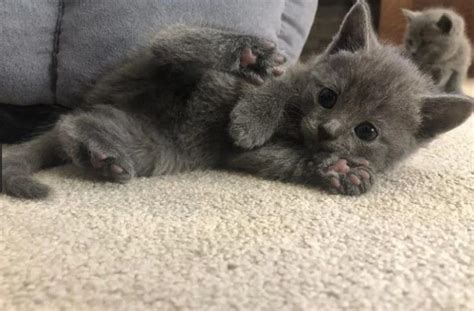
(27, 29)
(95, 36)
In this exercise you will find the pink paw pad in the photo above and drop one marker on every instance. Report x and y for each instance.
(280, 59)
(340, 167)
(248, 57)
(98, 160)
(116, 169)
(269, 45)
(335, 182)
(355, 180)
(364, 174)
(277, 71)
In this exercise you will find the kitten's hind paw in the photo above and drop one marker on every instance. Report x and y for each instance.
(348, 176)
(259, 59)
(111, 168)
(24, 187)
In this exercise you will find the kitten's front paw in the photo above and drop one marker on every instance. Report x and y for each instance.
(248, 130)
(348, 176)
(260, 59)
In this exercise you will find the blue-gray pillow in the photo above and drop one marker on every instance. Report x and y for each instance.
(92, 36)
(27, 33)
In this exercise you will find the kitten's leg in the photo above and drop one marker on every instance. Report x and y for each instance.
(251, 57)
(286, 162)
(107, 141)
(21, 161)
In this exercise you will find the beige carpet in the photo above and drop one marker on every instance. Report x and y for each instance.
(219, 241)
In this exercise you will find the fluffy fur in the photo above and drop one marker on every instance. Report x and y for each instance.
(437, 42)
(374, 83)
(167, 109)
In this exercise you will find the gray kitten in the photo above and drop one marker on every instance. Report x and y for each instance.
(332, 122)
(437, 42)
(358, 100)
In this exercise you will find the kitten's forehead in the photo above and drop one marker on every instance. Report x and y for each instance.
(379, 75)
(380, 83)
(427, 19)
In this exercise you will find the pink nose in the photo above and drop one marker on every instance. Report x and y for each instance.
(329, 130)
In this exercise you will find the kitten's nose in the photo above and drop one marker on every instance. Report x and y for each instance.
(329, 130)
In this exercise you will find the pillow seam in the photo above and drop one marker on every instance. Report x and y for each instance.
(56, 43)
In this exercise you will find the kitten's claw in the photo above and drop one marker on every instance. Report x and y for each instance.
(349, 176)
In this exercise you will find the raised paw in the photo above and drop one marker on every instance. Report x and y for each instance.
(349, 177)
(259, 59)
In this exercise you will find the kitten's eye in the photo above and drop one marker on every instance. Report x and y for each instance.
(366, 131)
(410, 42)
(327, 98)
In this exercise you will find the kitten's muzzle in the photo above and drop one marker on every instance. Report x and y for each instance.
(322, 136)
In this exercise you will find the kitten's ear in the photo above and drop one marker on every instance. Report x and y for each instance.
(443, 113)
(410, 15)
(445, 24)
(356, 31)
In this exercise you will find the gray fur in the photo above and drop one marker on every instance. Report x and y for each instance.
(167, 110)
(374, 83)
(436, 40)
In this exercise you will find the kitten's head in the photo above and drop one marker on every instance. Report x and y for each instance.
(432, 33)
(364, 99)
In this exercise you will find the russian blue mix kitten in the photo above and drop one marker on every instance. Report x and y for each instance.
(189, 100)
(436, 40)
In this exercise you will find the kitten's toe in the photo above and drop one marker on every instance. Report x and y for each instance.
(278, 71)
(25, 187)
(117, 170)
(358, 181)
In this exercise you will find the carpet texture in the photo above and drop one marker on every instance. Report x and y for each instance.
(220, 241)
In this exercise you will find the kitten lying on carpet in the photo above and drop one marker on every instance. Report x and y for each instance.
(436, 40)
(332, 122)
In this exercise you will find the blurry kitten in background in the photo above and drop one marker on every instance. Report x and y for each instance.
(436, 41)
